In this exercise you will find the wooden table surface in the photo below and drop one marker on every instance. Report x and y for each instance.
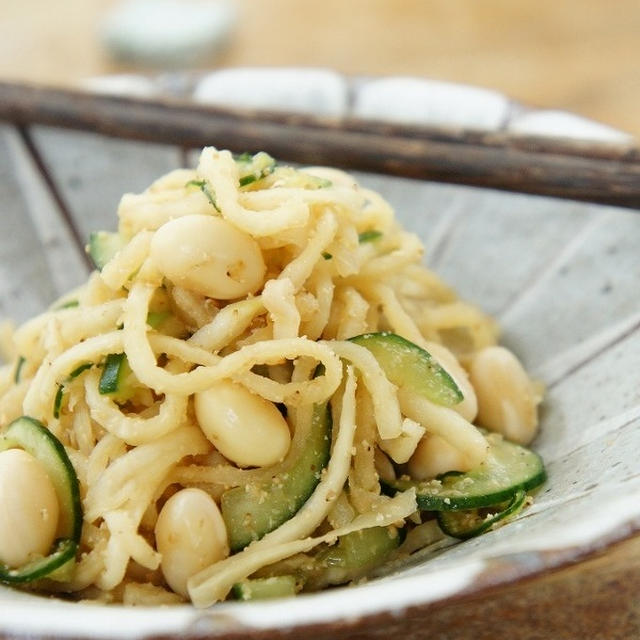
(579, 55)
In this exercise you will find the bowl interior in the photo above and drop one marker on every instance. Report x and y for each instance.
(560, 277)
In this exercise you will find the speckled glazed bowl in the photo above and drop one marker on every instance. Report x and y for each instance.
(563, 280)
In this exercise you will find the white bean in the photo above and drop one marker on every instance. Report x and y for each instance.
(208, 255)
(507, 398)
(468, 408)
(244, 427)
(29, 508)
(190, 535)
(433, 456)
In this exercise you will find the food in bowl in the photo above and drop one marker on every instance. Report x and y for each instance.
(259, 391)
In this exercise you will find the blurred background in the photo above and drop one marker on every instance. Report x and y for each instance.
(576, 55)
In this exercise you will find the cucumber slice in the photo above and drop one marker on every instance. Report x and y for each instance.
(117, 379)
(508, 468)
(79, 369)
(353, 557)
(63, 551)
(409, 366)
(471, 523)
(30, 435)
(18, 370)
(70, 304)
(57, 403)
(265, 588)
(291, 178)
(34, 438)
(253, 511)
(205, 187)
(156, 318)
(103, 245)
(112, 374)
(370, 235)
(254, 167)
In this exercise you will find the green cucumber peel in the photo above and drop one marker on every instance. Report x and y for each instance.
(266, 588)
(112, 373)
(252, 511)
(254, 167)
(508, 468)
(205, 187)
(156, 318)
(63, 551)
(18, 372)
(57, 402)
(369, 236)
(32, 436)
(103, 245)
(69, 304)
(465, 524)
(117, 380)
(411, 367)
(354, 556)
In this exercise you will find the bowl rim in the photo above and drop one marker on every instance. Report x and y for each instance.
(225, 621)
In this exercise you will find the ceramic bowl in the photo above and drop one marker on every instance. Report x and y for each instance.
(562, 279)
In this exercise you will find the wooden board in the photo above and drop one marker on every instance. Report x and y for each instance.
(605, 172)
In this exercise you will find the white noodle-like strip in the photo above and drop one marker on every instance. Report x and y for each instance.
(214, 583)
(401, 322)
(38, 402)
(279, 300)
(75, 324)
(228, 324)
(314, 511)
(276, 196)
(377, 212)
(82, 429)
(133, 429)
(176, 179)
(221, 171)
(150, 210)
(301, 267)
(354, 320)
(447, 424)
(143, 361)
(127, 261)
(108, 448)
(324, 287)
(400, 449)
(383, 392)
(410, 250)
(120, 482)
